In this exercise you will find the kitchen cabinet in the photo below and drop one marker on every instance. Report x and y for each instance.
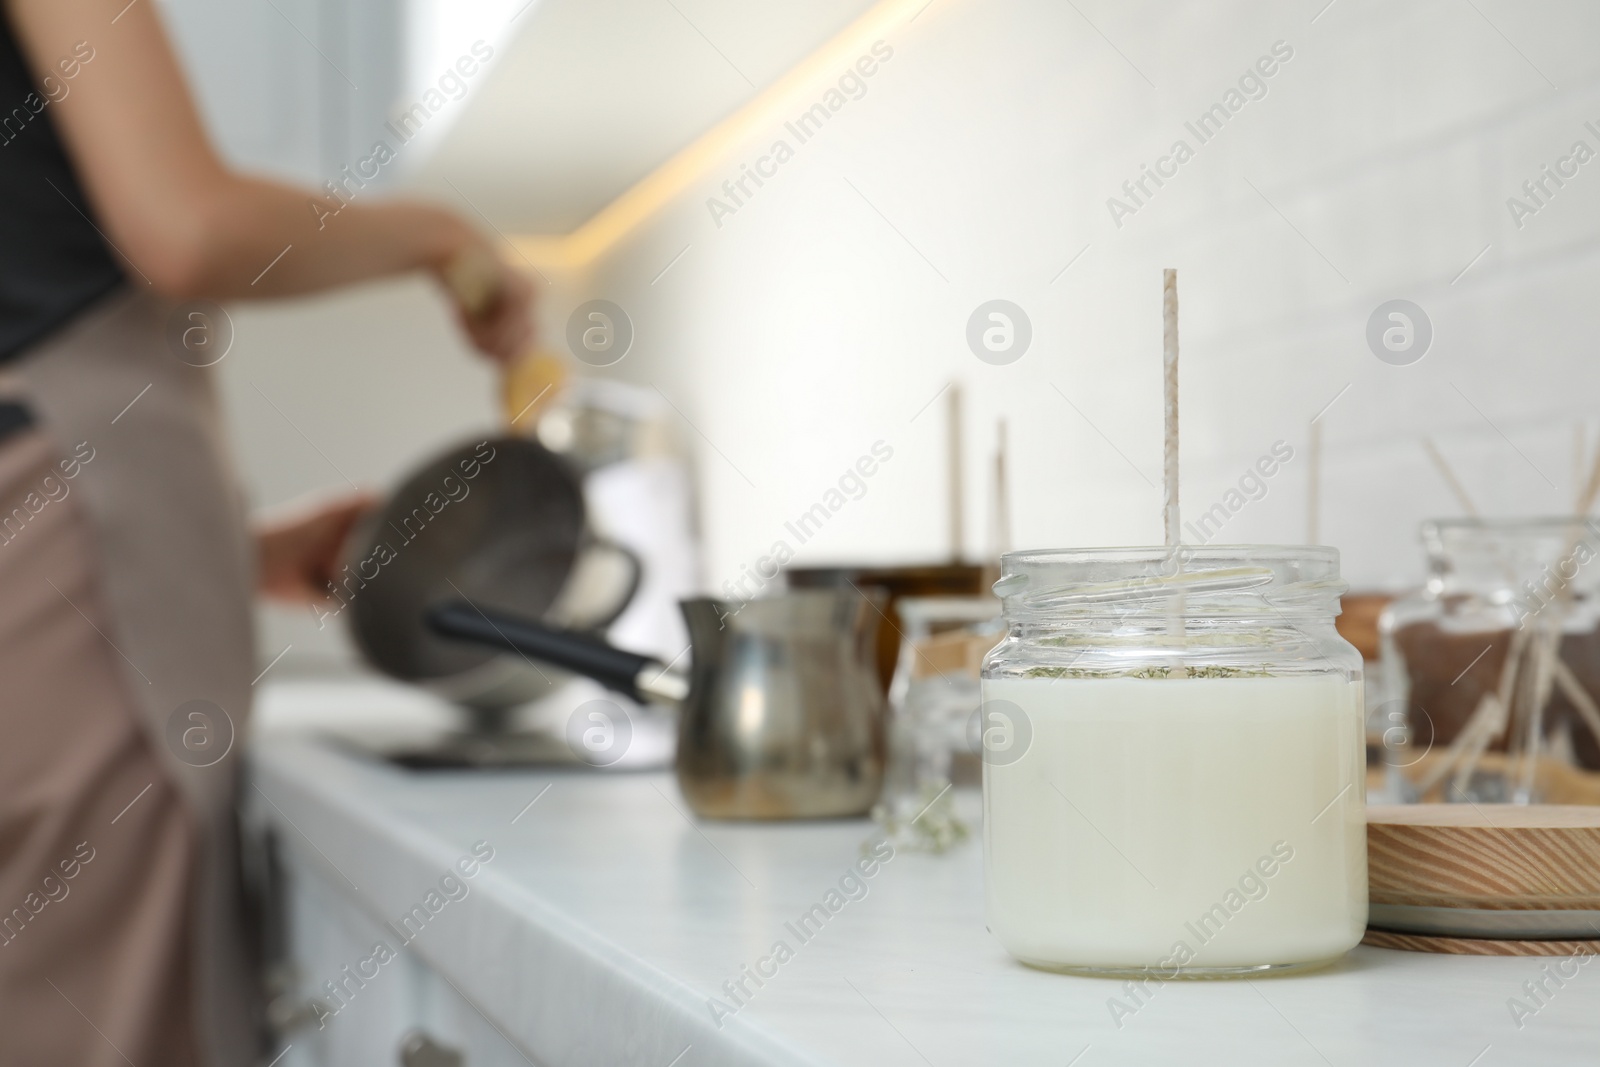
(611, 928)
(405, 1006)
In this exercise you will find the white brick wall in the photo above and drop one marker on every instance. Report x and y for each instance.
(806, 327)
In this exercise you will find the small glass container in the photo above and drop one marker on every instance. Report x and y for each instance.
(1174, 762)
(1494, 665)
(933, 705)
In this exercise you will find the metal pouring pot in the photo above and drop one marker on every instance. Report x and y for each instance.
(781, 715)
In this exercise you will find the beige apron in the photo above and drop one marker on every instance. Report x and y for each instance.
(172, 584)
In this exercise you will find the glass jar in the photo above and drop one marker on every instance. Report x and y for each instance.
(1495, 666)
(1174, 768)
(933, 709)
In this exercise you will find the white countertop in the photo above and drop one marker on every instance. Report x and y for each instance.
(608, 918)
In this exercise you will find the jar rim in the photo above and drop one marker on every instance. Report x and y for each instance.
(1532, 523)
(1235, 580)
(1473, 536)
(1161, 553)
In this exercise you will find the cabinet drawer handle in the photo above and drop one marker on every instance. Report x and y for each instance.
(417, 1049)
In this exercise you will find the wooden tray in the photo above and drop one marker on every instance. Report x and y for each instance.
(1498, 879)
(1467, 946)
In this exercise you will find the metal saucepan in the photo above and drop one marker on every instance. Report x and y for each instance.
(781, 716)
(498, 522)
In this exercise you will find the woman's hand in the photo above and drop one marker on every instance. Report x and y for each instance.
(493, 301)
(298, 553)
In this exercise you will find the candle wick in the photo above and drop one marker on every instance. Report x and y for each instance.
(1169, 359)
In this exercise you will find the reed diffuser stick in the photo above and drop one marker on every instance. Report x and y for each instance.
(1450, 478)
(1169, 364)
(1587, 709)
(957, 514)
(1314, 486)
(1585, 502)
(1002, 495)
(1580, 450)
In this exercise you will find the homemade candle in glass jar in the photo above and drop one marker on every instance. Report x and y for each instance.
(1174, 762)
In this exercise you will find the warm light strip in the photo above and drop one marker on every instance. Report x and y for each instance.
(664, 184)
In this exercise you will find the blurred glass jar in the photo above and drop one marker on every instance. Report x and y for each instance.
(595, 422)
(933, 702)
(1493, 667)
(639, 492)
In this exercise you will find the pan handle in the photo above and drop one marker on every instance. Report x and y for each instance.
(638, 677)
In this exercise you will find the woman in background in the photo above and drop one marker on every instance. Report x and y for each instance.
(126, 567)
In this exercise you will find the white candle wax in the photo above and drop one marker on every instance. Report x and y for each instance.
(1178, 824)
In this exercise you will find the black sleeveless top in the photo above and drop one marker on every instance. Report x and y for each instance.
(53, 261)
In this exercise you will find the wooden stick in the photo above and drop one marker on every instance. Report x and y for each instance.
(1314, 485)
(1465, 739)
(1002, 495)
(1450, 478)
(958, 538)
(1488, 728)
(1169, 365)
(1579, 451)
(1586, 498)
(1488, 720)
(1587, 709)
(1545, 651)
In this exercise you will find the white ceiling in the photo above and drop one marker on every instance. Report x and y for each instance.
(589, 96)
